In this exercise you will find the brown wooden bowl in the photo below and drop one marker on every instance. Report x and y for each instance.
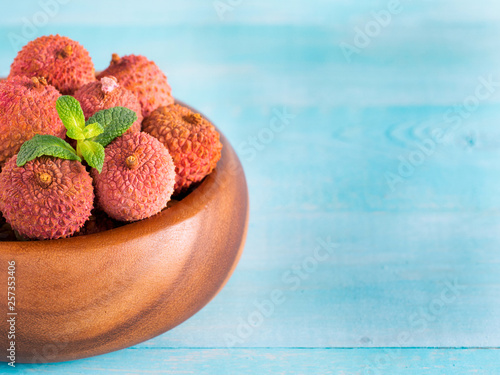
(89, 295)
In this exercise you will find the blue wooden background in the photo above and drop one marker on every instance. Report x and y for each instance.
(370, 136)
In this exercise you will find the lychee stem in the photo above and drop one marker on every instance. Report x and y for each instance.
(194, 118)
(39, 82)
(44, 179)
(108, 85)
(66, 52)
(115, 58)
(131, 161)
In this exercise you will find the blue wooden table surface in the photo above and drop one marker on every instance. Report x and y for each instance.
(369, 132)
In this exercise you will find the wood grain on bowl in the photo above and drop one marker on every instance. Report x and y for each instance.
(93, 294)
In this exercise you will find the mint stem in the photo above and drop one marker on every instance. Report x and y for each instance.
(78, 151)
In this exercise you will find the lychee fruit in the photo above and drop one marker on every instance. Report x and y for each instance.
(137, 178)
(27, 107)
(47, 198)
(65, 64)
(192, 141)
(107, 93)
(143, 78)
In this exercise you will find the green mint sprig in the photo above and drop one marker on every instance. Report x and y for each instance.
(48, 145)
(91, 136)
(115, 121)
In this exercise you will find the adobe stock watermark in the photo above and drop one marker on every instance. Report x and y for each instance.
(30, 26)
(418, 322)
(372, 29)
(254, 144)
(223, 7)
(44, 355)
(292, 280)
(453, 120)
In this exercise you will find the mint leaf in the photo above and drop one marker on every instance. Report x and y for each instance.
(116, 121)
(71, 113)
(93, 130)
(93, 153)
(91, 135)
(75, 133)
(48, 145)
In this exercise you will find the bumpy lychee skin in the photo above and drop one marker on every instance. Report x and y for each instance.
(143, 78)
(192, 140)
(27, 107)
(47, 198)
(107, 93)
(137, 178)
(65, 64)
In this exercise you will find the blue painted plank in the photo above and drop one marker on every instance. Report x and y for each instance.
(282, 361)
(368, 292)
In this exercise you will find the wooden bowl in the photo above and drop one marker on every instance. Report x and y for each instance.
(93, 294)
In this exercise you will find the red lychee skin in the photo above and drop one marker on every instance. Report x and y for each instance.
(143, 78)
(130, 189)
(41, 207)
(93, 98)
(192, 141)
(27, 107)
(65, 64)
